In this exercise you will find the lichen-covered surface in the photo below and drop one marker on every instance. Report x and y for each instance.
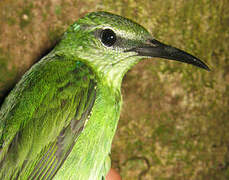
(175, 117)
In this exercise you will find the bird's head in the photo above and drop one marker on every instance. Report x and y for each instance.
(111, 45)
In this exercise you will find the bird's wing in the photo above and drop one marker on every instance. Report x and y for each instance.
(43, 142)
(55, 154)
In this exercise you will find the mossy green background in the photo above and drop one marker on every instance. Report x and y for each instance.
(175, 117)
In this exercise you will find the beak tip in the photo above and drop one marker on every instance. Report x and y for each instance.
(207, 68)
(201, 64)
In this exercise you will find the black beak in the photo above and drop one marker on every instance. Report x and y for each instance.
(154, 48)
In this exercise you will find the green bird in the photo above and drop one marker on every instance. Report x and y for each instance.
(59, 120)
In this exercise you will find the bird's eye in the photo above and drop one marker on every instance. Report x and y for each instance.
(108, 37)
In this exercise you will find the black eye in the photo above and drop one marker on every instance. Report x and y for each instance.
(108, 37)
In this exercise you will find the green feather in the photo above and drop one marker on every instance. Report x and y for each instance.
(59, 120)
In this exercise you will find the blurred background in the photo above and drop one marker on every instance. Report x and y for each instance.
(175, 117)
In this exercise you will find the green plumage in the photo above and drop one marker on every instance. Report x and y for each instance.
(59, 120)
